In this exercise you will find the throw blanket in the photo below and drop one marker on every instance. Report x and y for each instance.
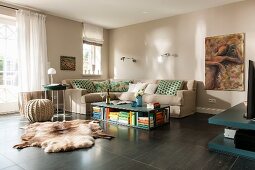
(62, 136)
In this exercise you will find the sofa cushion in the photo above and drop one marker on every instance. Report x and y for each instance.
(163, 99)
(131, 87)
(84, 84)
(130, 96)
(136, 87)
(101, 86)
(95, 97)
(120, 86)
(151, 88)
(169, 87)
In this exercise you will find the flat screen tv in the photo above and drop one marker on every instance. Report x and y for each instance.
(251, 91)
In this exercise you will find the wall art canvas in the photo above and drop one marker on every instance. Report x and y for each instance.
(224, 62)
(67, 63)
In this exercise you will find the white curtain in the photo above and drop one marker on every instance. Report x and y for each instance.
(32, 50)
(93, 33)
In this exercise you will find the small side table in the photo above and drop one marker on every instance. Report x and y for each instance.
(57, 88)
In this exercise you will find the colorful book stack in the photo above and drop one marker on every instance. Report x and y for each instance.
(132, 118)
(114, 116)
(144, 122)
(124, 118)
(160, 118)
(97, 113)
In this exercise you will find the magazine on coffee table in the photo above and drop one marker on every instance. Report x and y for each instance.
(119, 102)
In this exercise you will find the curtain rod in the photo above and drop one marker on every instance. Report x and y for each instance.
(20, 7)
(9, 7)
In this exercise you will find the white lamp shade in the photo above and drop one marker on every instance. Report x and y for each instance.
(52, 71)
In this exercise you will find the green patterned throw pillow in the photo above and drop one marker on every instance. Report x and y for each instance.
(84, 84)
(169, 87)
(101, 86)
(120, 86)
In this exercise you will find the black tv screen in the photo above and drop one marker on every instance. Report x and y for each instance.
(251, 91)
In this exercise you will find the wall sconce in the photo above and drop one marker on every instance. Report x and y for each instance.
(168, 55)
(128, 58)
(165, 55)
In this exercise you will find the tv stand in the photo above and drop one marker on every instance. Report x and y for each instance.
(232, 117)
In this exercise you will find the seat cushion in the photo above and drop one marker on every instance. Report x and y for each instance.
(163, 99)
(95, 97)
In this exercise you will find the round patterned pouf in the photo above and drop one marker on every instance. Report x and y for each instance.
(39, 110)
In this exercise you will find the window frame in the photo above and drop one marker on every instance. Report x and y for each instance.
(83, 58)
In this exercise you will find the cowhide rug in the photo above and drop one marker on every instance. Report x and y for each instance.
(62, 136)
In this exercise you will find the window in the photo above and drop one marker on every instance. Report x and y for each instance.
(92, 45)
(91, 58)
(8, 60)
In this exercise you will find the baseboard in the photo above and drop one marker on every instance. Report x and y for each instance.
(208, 110)
(11, 112)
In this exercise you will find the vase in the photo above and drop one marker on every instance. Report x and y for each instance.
(139, 101)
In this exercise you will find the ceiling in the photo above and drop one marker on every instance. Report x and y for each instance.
(118, 13)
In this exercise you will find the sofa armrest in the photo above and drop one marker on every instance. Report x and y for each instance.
(74, 95)
(188, 97)
(73, 100)
(77, 91)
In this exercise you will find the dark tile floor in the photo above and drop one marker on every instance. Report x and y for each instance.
(180, 145)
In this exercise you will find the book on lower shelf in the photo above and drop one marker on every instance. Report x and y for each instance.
(132, 118)
(113, 116)
(97, 113)
(124, 118)
(144, 121)
(136, 119)
(160, 118)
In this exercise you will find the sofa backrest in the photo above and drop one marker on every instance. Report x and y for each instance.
(188, 84)
(68, 81)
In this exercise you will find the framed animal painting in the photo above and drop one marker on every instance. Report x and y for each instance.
(224, 62)
(67, 63)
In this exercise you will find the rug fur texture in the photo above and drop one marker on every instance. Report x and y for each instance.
(62, 136)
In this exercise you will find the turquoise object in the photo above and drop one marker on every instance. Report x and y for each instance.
(55, 87)
(133, 104)
(232, 117)
(139, 101)
(225, 145)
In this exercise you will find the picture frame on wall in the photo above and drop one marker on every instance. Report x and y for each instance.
(224, 62)
(67, 63)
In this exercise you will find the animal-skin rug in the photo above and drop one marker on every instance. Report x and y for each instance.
(62, 136)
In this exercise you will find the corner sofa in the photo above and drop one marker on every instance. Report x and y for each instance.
(182, 104)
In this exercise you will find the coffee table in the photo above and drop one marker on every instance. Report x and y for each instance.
(129, 108)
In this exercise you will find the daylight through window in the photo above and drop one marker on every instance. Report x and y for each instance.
(91, 59)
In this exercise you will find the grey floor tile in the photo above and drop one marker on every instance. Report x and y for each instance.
(15, 167)
(4, 162)
(180, 145)
(243, 164)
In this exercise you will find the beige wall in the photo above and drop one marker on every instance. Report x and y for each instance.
(184, 35)
(64, 37)
(7, 11)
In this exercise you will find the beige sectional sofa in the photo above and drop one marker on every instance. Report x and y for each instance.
(183, 104)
